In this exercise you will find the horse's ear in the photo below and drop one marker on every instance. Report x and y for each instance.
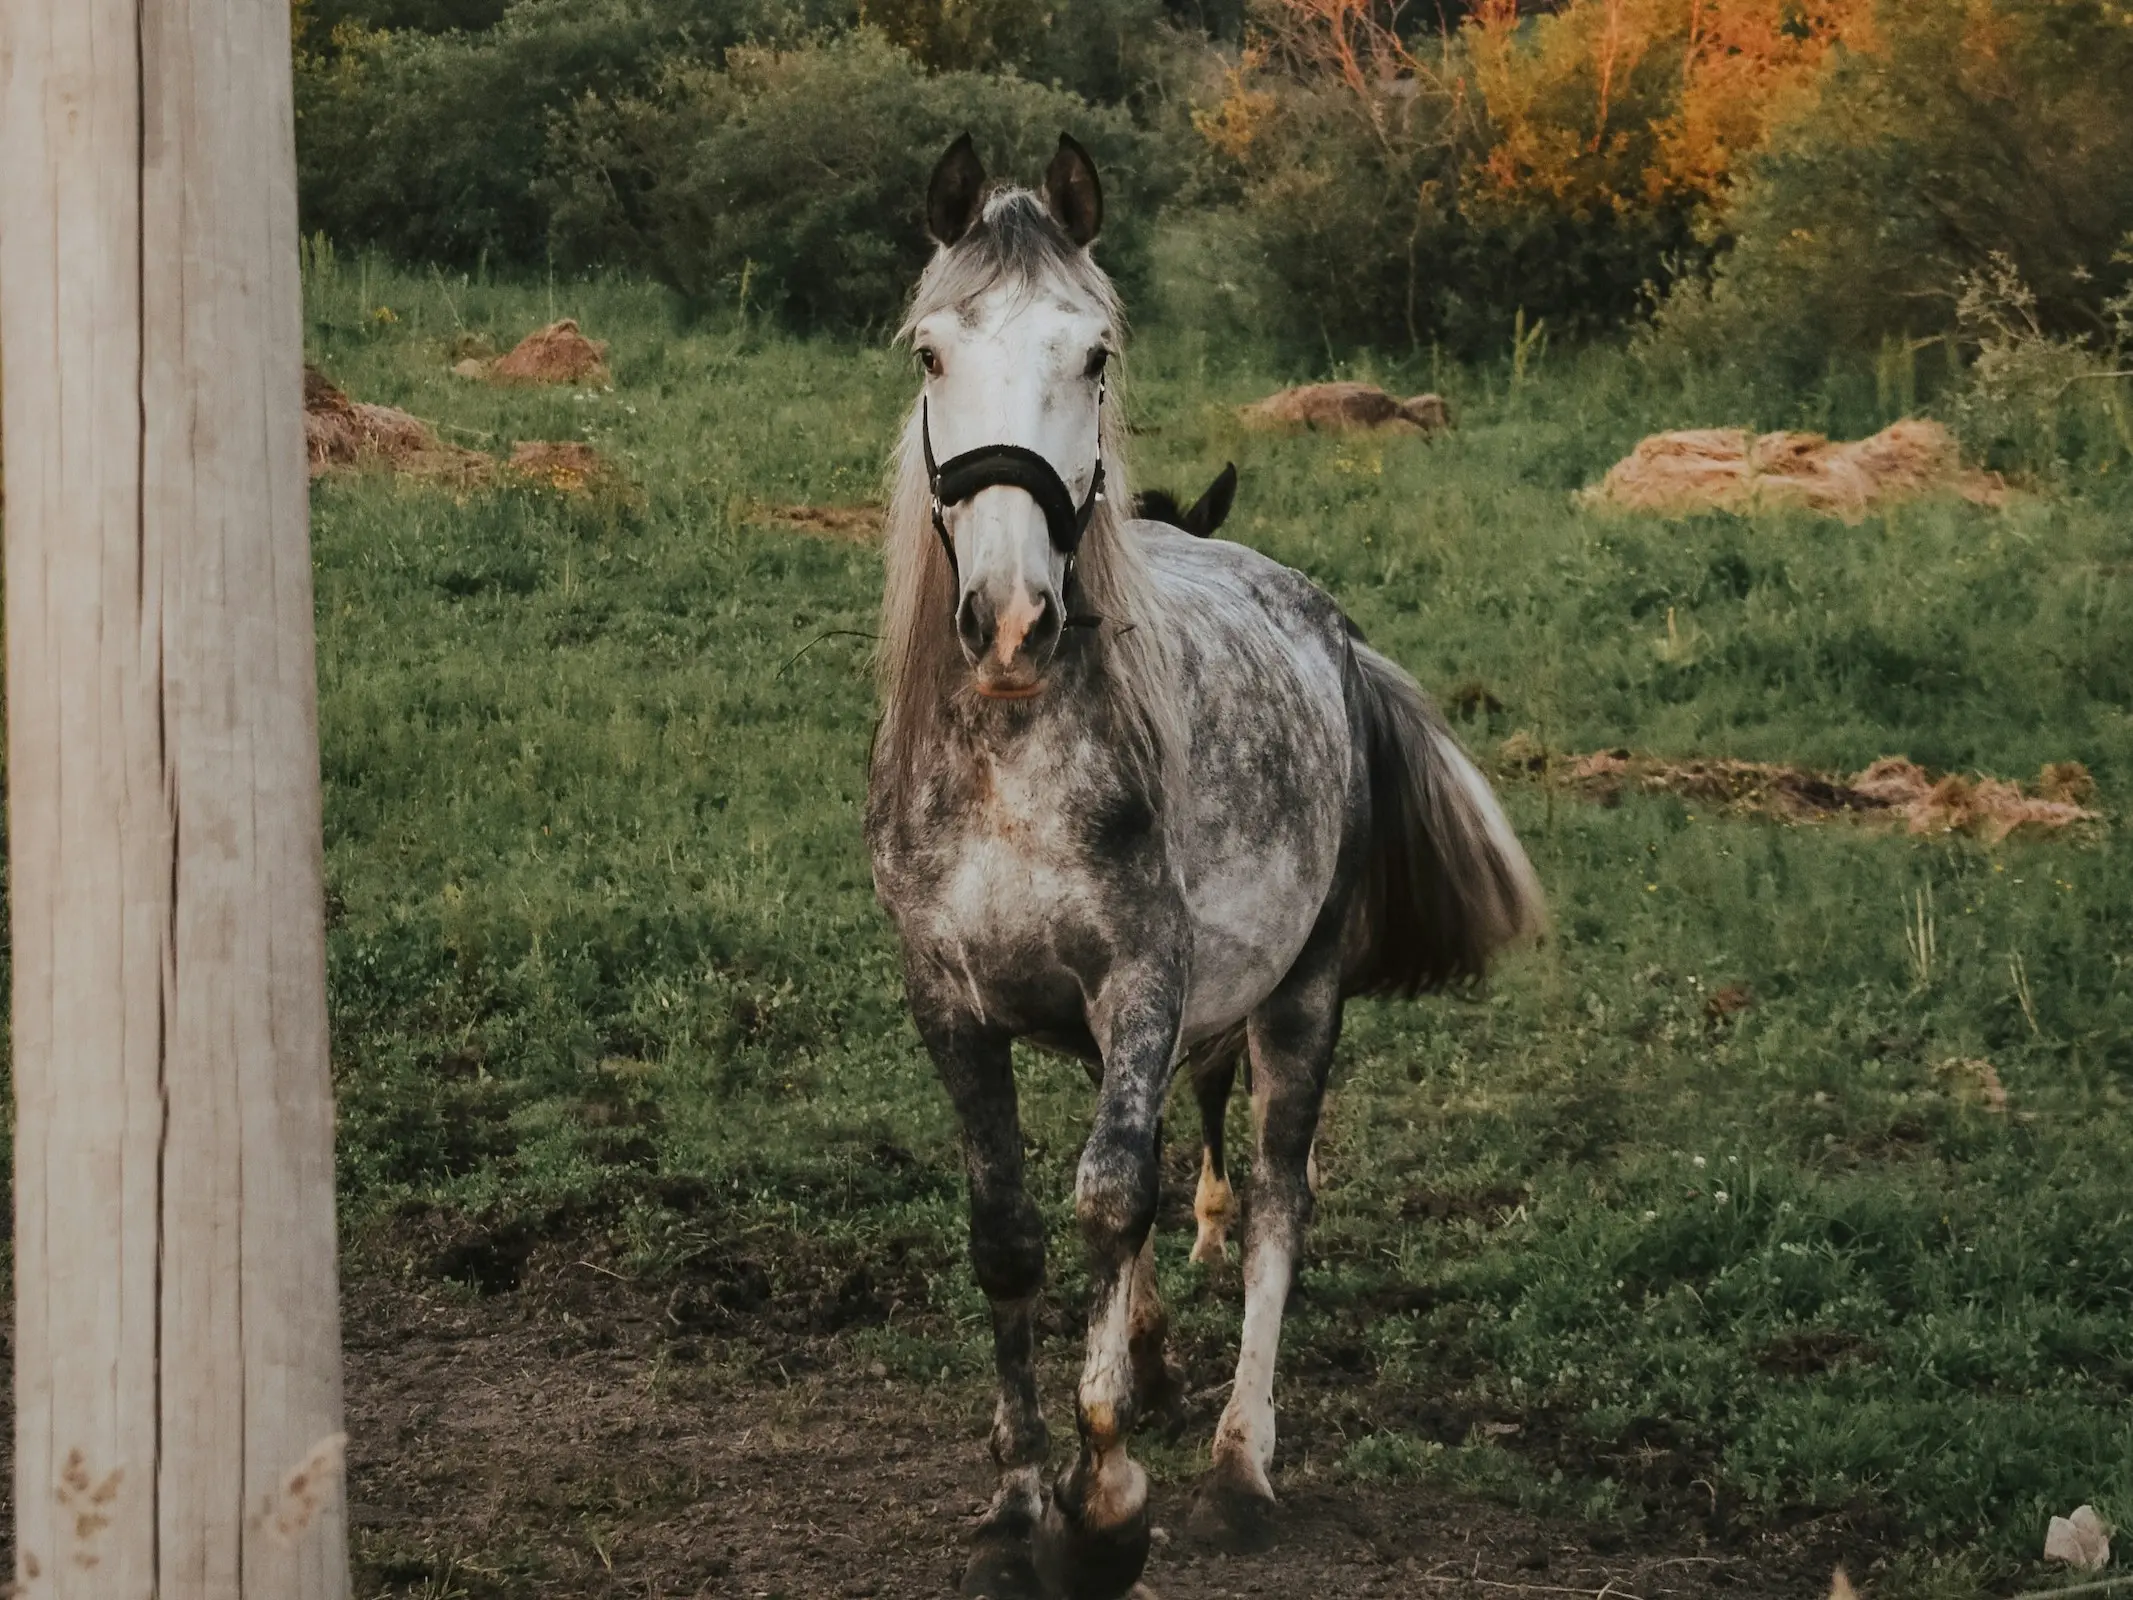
(1071, 191)
(1211, 508)
(953, 195)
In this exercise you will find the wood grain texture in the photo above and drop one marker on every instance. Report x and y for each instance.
(177, 1331)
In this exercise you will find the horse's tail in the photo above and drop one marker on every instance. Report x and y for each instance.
(1447, 885)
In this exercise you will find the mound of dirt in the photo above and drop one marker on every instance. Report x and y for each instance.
(567, 466)
(1891, 790)
(1336, 407)
(559, 353)
(862, 523)
(1991, 808)
(1731, 469)
(340, 432)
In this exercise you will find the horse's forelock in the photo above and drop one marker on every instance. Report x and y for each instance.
(1016, 248)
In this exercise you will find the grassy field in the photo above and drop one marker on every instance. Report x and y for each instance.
(605, 953)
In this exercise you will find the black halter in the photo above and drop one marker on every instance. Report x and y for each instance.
(1010, 465)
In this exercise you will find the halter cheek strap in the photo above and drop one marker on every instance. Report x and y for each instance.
(1012, 466)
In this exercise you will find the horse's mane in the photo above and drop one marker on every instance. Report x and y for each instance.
(1016, 243)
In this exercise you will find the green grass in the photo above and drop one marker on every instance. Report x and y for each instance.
(604, 942)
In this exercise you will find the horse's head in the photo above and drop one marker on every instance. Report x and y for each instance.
(1014, 369)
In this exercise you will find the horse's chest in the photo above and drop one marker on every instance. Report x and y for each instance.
(1008, 891)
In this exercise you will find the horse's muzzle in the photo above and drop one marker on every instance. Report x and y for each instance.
(1009, 642)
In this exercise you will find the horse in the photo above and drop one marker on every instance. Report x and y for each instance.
(1149, 800)
(1202, 517)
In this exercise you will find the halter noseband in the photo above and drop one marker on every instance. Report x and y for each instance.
(1011, 466)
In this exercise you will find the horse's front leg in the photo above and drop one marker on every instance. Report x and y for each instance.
(1094, 1538)
(1007, 1253)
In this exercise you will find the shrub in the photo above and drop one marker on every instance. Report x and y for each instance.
(1994, 126)
(2029, 403)
(1352, 204)
(1103, 50)
(420, 16)
(1554, 165)
(1631, 105)
(803, 173)
(1364, 207)
(429, 146)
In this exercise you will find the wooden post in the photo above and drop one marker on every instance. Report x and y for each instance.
(177, 1354)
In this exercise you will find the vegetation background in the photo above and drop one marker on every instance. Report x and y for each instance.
(1706, 1215)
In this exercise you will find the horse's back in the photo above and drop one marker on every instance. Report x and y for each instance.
(1263, 658)
(1242, 620)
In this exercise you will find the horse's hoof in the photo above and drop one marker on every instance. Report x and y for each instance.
(1078, 1563)
(1232, 1517)
(1000, 1569)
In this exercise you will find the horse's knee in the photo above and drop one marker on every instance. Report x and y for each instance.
(1007, 1248)
(1114, 1200)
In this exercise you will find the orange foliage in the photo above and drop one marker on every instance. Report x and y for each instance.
(1233, 124)
(1624, 101)
(1599, 103)
(1748, 65)
(1353, 40)
(1354, 44)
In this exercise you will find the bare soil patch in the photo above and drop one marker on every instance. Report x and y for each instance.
(861, 523)
(565, 1432)
(580, 1435)
(568, 466)
(1891, 790)
(1344, 407)
(558, 353)
(340, 432)
(1732, 469)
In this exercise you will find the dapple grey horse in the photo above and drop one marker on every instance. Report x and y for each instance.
(1148, 799)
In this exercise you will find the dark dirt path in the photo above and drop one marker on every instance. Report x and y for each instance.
(555, 1440)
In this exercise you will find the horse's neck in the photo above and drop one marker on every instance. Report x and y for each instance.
(1060, 731)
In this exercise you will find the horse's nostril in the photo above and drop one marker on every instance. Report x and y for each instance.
(1048, 624)
(974, 624)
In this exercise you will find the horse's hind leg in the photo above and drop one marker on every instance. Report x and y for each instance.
(1214, 1203)
(1155, 1384)
(1007, 1252)
(1292, 1038)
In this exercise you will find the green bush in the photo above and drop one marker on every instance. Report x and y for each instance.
(419, 16)
(1364, 215)
(2032, 404)
(430, 146)
(2000, 127)
(802, 173)
(1105, 50)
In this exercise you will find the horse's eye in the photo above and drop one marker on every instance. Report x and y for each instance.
(930, 359)
(1097, 358)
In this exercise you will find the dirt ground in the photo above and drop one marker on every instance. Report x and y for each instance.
(555, 1438)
